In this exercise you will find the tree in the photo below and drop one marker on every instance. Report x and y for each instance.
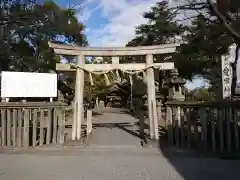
(160, 29)
(226, 11)
(27, 29)
(200, 94)
(201, 55)
(204, 38)
(27, 26)
(47, 23)
(223, 12)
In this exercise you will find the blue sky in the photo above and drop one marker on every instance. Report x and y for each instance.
(113, 22)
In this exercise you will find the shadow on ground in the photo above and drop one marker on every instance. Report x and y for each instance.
(123, 126)
(192, 165)
(189, 164)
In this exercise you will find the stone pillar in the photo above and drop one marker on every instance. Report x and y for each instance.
(4, 99)
(152, 109)
(78, 104)
(159, 109)
(89, 122)
(115, 60)
(97, 103)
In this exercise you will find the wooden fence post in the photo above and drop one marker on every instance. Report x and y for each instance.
(41, 140)
(228, 126)
(14, 127)
(89, 122)
(187, 116)
(20, 128)
(236, 128)
(34, 128)
(3, 119)
(49, 126)
(170, 125)
(213, 127)
(221, 116)
(177, 123)
(159, 112)
(203, 121)
(61, 122)
(9, 127)
(26, 128)
(55, 122)
(182, 125)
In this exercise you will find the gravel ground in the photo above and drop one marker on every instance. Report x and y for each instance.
(114, 163)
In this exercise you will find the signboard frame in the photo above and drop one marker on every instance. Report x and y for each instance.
(28, 84)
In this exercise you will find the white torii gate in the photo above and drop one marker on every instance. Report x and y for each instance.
(81, 52)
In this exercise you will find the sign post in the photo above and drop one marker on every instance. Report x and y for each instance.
(226, 77)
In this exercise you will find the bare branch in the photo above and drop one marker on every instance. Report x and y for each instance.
(191, 6)
(187, 18)
(224, 20)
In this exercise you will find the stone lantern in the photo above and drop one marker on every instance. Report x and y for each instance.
(176, 86)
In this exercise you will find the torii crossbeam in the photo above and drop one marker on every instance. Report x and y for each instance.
(115, 53)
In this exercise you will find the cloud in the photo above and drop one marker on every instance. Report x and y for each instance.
(86, 11)
(123, 17)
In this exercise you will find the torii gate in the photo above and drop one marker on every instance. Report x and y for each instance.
(115, 53)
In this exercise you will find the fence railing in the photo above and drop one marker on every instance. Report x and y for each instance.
(31, 124)
(213, 126)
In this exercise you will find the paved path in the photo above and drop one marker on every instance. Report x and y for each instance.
(114, 128)
(114, 154)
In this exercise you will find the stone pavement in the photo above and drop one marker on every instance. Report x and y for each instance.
(119, 163)
(113, 154)
(114, 128)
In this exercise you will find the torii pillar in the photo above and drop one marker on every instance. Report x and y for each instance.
(151, 97)
(78, 101)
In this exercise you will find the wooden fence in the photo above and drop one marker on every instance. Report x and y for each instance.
(206, 126)
(31, 124)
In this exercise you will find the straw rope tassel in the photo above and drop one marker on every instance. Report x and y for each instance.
(130, 79)
(112, 72)
(118, 76)
(144, 76)
(137, 75)
(91, 79)
(106, 79)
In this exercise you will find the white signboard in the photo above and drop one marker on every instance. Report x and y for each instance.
(226, 76)
(237, 89)
(24, 84)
